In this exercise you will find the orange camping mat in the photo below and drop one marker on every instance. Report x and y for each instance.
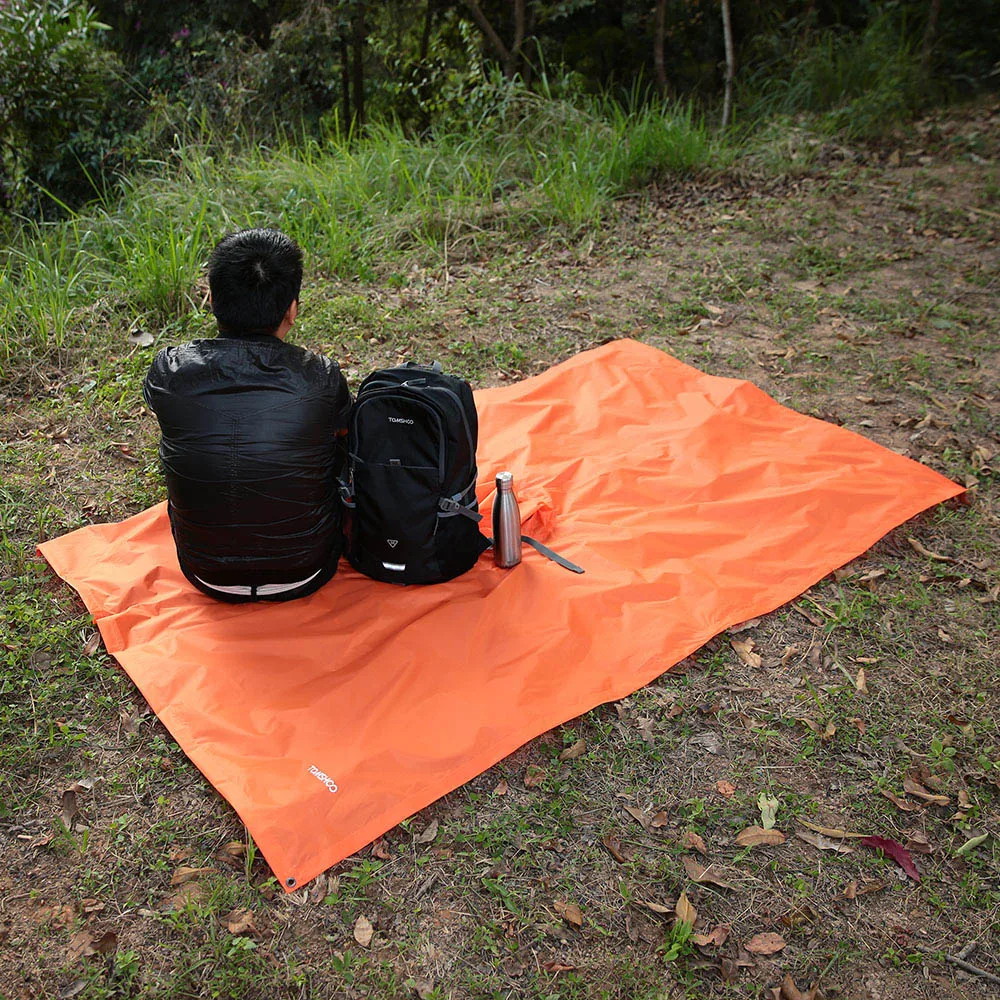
(693, 503)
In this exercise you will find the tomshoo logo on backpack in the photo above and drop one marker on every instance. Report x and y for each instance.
(411, 513)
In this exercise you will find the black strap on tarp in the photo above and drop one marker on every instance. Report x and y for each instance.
(549, 554)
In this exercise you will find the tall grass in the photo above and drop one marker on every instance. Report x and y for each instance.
(351, 202)
(856, 85)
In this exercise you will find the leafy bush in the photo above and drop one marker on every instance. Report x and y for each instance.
(55, 83)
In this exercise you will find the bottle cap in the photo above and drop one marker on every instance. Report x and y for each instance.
(505, 481)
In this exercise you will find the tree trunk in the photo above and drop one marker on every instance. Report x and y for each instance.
(345, 82)
(930, 32)
(727, 29)
(509, 58)
(659, 28)
(527, 68)
(425, 38)
(515, 52)
(359, 62)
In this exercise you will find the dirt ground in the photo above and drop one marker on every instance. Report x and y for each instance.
(862, 290)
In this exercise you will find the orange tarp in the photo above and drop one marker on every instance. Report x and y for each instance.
(693, 503)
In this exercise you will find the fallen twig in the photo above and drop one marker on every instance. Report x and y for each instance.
(973, 970)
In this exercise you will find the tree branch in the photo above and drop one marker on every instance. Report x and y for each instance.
(488, 30)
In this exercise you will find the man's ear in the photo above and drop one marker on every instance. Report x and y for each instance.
(293, 311)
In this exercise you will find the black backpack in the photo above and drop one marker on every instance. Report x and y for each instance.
(410, 494)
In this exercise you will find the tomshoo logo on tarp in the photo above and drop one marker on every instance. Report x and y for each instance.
(326, 779)
(400, 420)
(393, 542)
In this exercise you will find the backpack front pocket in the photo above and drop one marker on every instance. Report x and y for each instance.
(393, 524)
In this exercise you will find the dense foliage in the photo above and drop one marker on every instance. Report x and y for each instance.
(54, 86)
(86, 92)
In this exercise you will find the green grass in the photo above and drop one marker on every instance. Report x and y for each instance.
(487, 284)
(856, 85)
(355, 205)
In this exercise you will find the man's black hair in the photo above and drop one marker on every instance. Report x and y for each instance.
(254, 275)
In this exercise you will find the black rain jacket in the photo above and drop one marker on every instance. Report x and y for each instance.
(251, 455)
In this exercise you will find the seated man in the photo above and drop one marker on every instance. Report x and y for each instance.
(252, 433)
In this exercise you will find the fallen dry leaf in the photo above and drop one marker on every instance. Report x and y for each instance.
(554, 966)
(185, 874)
(685, 911)
(83, 944)
(744, 650)
(824, 843)
(232, 853)
(725, 789)
(898, 802)
(704, 876)
(570, 912)
(534, 776)
(894, 850)
(829, 831)
(638, 815)
(186, 895)
(61, 916)
(654, 907)
(380, 850)
(69, 811)
(613, 846)
(861, 682)
(240, 922)
(715, 938)
(574, 751)
(789, 991)
(502, 787)
(788, 653)
(754, 836)
(798, 915)
(767, 943)
(913, 787)
(92, 644)
(363, 931)
(430, 832)
(694, 840)
(919, 844)
(660, 819)
(917, 546)
(853, 890)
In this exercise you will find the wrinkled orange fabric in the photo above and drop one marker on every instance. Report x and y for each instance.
(693, 502)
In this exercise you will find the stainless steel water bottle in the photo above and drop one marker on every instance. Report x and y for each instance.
(506, 524)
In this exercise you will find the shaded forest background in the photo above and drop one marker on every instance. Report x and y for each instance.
(88, 94)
